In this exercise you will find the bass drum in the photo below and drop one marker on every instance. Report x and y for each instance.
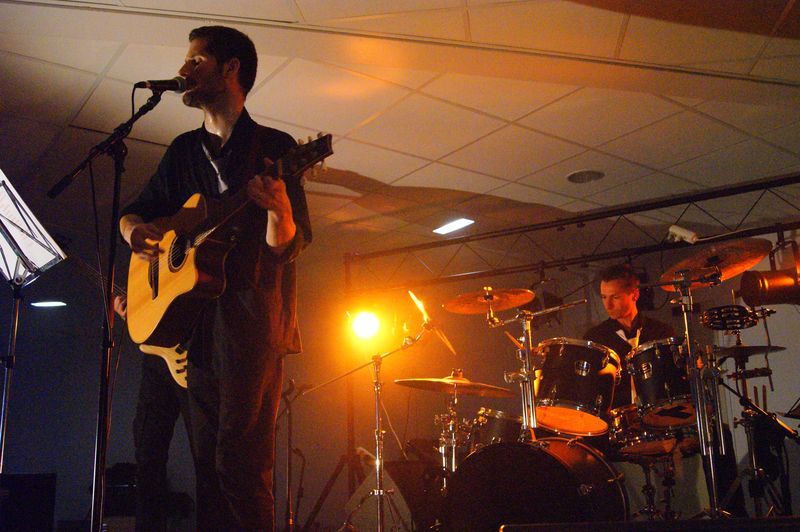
(555, 480)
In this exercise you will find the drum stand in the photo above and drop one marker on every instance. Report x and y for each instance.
(650, 509)
(703, 379)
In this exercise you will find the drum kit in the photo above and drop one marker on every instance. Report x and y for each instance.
(554, 463)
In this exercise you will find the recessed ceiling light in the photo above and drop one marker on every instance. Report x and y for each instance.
(585, 176)
(48, 304)
(455, 225)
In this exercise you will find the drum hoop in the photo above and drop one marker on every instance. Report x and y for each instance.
(563, 340)
(671, 340)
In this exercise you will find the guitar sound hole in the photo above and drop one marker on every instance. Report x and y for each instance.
(177, 252)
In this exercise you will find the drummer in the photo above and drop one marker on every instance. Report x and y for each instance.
(625, 328)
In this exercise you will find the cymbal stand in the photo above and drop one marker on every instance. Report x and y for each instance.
(531, 362)
(525, 376)
(448, 437)
(377, 387)
(697, 380)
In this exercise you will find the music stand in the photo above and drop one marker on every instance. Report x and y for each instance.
(26, 250)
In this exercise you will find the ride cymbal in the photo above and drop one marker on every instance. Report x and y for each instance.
(481, 301)
(746, 351)
(455, 384)
(731, 258)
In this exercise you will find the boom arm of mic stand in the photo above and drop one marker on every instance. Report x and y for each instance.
(119, 134)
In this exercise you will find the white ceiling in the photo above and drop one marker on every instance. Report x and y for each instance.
(438, 108)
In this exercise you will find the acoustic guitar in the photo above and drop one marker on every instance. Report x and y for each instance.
(167, 292)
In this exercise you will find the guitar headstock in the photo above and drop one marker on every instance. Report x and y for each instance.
(304, 156)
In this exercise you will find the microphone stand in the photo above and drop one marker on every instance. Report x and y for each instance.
(114, 147)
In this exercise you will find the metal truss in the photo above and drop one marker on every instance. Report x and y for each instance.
(388, 269)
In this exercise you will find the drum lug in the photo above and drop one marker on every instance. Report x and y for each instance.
(574, 441)
(585, 489)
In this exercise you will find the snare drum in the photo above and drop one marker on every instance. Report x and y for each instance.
(576, 387)
(493, 426)
(661, 385)
(631, 440)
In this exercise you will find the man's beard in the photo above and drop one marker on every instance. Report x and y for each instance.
(201, 96)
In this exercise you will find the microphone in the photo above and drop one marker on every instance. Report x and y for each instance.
(177, 84)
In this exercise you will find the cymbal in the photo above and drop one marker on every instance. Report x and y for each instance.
(732, 258)
(745, 351)
(480, 301)
(455, 384)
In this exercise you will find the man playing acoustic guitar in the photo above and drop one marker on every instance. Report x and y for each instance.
(237, 340)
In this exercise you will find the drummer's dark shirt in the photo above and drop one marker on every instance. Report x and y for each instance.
(605, 333)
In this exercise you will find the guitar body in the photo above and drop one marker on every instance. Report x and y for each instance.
(175, 357)
(166, 293)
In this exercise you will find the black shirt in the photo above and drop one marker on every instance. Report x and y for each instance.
(606, 333)
(260, 293)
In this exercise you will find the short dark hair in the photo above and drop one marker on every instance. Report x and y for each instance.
(225, 43)
(621, 272)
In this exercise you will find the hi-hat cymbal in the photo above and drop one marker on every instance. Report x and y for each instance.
(732, 258)
(479, 302)
(455, 384)
(746, 351)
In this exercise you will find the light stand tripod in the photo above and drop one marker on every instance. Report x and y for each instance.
(26, 250)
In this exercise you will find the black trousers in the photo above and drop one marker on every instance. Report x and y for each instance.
(161, 401)
(234, 398)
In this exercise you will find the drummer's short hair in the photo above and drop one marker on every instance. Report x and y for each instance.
(621, 272)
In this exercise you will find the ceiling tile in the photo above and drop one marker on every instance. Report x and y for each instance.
(151, 61)
(561, 26)
(752, 118)
(787, 137)
(322, 97)
(315, 10)
(777, 47)
(83, 54)
(580, 206)
(657, 41)
(426, 127)
(372, 163)
(744, 161)
(652, 186)
(528, 194)
(321, 204)
(253, 9)
(442, 176)
(109, 106)
(673, 140)
(594, 116)
(42, 91)
(407, 77)
(554, 178)
(447, 24)
(505, 98)
(778, 67)
(512, 152)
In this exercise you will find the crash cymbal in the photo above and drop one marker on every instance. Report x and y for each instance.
(745, 351)
(479, 302)
(455, 383)
(732, 258)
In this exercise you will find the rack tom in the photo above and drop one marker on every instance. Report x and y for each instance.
(660, 382)
(575, 389)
